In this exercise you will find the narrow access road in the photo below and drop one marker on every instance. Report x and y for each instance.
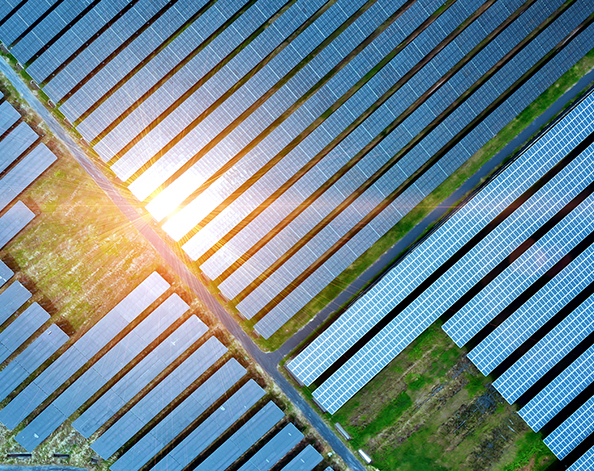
(269, 362)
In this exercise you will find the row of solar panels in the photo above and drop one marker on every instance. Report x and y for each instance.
(274, 140)
(511, 270)
(189, 399)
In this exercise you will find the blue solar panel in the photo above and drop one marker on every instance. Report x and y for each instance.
(13, 145)
(152, 72)
(11, 299)
(524, 271)
(306, 460)
(30, 359)
(241, 441)
(277, 281)
(278, 446)
(99, 50)
(130, 57)
(140, 376)
(158, 398)
(76, 36)
(182, 416)
(5, 274)
(213, 426)
(8, 116)
(572, 431)
(559, 392)
(24, 173)
(14, 220)
(51, 24)
(86, 347)
(19, 330)
(101, 372)
(24, 16)
(585, 463)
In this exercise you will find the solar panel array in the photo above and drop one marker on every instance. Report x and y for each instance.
(277, 142)
(5, 273)
(510, 272)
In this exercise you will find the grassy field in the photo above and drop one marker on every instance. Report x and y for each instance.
(431, 410)
(414, 217)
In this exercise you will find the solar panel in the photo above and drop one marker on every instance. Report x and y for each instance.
(278, 446)
(152, 72)
(19, 330)
(348, 218)
(75, 37)
(14, 221)
(24, 173)
(136, 52)
(101, 372)
(416, 266)
(306, 460)
(546, 353)
(584, 463)
(270, 111)
(168, 199)
(158, 398)
(86, 347)
(30, 359)
(50, 25)
(24, 16)
(5, 274)
(8, 116)
(242, 440)
(213, 426)
(140, 376)
(520, 274)
(572, 431)
(100, 49)
(13, 145)
(11, 299)
(559, 392)
(181, 417)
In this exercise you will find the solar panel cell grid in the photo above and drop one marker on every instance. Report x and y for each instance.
(137, 51)
(140, 376)
(272, 109)
(559, 392)
(11, 299)
(263, 294)
(8, 116)
(13, 145)
(539, 258)
(74, 38)
(30, 359)
(19, 330)
(24, 16)
(23, 174)
(199, 136)
(459, 228)
(13, 221)
(306, 460)
(199, 101)
(572, 431)
(93, 55)
(242, 440)
(470, 144)
(169, 58)
(584, 463)
(214, 425)
(158, 398)
(355, 141)
(278, 446)
(50, 25)
(182, 416)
